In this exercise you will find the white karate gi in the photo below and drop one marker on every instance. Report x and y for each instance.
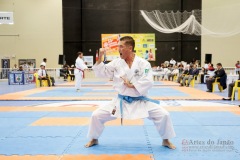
(140, 75)
(78, 72)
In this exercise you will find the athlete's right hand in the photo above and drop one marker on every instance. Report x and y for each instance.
(101, 52)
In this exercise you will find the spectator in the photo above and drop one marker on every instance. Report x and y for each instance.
(20, 68)
(44, 63)
(203, 73)
(180, 68)
(206, 65)
(63, 72)
(15, 68)
(172, 61)
(42, 75)
(237, 65)
(174, 72)
(185, 72)
(70, 73)
(230, 89)
(192, 72)
(220, 72)
(210, 67)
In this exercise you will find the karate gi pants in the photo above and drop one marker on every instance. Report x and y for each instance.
(157, 114)
(78, 78)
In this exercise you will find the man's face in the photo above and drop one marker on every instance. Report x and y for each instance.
(42, 67)
(81, 55)
(194, 66)
(218, 67)
(124, 50)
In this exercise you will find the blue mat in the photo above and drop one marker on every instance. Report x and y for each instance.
(94, 82)
(46, 131)
(6, 131)
(114, 140)
(170, 92)
(61, 92)
(224, 131)
(16, 122)
(22, 114)
(70, 114)
(34, 146)
(70, 92)
(216, 118)
(25, 103)
(163, 153)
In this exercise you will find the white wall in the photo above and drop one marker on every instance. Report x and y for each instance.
(221, 16)
(39, 26)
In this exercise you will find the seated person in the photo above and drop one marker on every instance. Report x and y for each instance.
(174, 72)
(220, 72)
(42, 75)
(202, 73)
(20, 68)
(192, 72)
(185, 72)
(51, 78)
(63, 72)
(70, 73)
(237, 65)
(230, 89)
(180, 68)
(211, 68)
(164, 73)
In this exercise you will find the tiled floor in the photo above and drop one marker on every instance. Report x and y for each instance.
(51, 123)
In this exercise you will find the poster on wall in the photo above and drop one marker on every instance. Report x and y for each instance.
(144, 45)
(27, 64)
(88, 60)
(5, 67)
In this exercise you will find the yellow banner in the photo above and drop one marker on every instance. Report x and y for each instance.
(144, 45)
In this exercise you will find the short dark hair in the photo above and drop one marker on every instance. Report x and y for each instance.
(44, 59)
(219, 64)
(128, 41)
(79, 53)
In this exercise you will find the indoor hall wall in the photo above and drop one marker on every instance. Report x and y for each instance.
(39, 26)
(85, 20)
(225, 50)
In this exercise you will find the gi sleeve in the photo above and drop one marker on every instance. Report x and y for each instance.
(104, 70)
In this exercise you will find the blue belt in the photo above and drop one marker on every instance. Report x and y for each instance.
(131, 99)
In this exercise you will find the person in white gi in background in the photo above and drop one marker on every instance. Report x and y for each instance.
(132, 78)
(79, 71)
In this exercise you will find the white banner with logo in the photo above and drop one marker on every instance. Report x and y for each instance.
(6, 18)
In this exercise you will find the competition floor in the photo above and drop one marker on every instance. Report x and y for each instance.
(51, 124)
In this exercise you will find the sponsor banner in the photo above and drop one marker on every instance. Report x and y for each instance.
(144, 45)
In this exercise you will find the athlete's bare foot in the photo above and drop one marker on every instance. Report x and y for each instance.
(91, 143)
(167, 143)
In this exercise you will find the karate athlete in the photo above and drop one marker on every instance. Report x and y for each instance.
(132, 78)
(79, 71)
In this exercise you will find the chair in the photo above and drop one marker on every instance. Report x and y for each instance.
(175, 78)
(192, 83)
(235, 87)
(69, 77)
(218, 83)
(44, 81)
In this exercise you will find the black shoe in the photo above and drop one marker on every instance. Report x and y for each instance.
(209, 91)
(187, 85)
(227, 99)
